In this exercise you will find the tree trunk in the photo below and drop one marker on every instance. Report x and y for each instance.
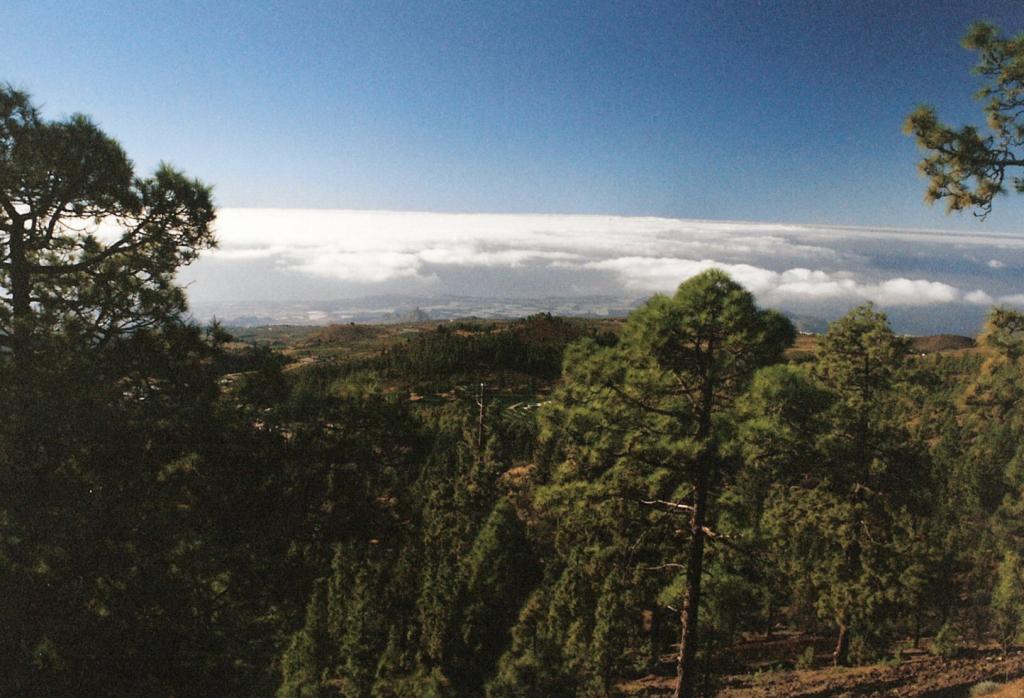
(22, 437)
(21, 294)
(839, 654)
(481, 420)
(917, 627)
(686, 665)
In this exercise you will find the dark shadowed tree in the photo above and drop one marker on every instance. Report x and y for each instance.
(129, 491)
(85, 244)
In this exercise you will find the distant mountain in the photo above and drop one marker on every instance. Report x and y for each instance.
(389, 309)
(392, 309)
(417, 314)
(808, 323)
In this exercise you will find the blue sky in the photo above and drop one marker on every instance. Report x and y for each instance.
(652, 119)
(765, 111)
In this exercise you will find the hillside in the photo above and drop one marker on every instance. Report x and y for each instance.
(352, 341)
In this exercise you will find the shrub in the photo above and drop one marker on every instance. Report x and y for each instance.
(984, 688)
(945, 643)
(805, 660)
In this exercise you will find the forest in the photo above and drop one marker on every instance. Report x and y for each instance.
(541, 507)
(184, 514)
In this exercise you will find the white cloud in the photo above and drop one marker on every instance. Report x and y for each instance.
(366, 266)
(467, 255)
(781, 263)
(248, 253)
(312, 240)
(664, 274)
(978, 297)
(909, 292)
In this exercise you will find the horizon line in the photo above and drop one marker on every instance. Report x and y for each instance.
(734, 221)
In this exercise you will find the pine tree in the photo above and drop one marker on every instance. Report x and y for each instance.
(641, 423)
(845, 530)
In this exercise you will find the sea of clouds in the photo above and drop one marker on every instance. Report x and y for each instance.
(276, 254)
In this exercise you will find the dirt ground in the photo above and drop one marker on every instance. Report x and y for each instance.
(916, 675)
(1014, 689)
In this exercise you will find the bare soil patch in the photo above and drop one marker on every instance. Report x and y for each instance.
(916, 675)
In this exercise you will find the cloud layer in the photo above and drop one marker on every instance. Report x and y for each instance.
(801, 267)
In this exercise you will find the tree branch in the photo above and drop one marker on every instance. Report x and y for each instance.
(663, 566)
(671, 506)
